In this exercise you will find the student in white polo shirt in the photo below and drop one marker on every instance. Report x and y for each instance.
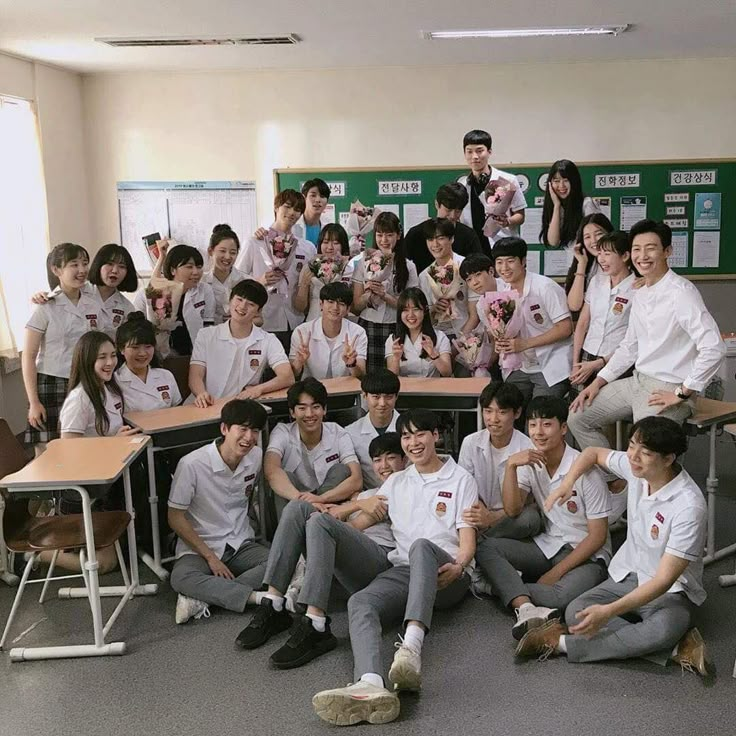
(380, 392)
(230, 359)
(545, 342)
(330, 346)
(672, 341)
(431, 563)
(218, 561)
(570, 555)
(655, 580)
(311, 459)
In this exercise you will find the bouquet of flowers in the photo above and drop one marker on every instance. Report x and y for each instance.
(162, 307)
(377, 267)
(280, 251)
(445, 283)
(474, 351)
(497, 197)
(500, 312)
(327, 269)
(360, 222)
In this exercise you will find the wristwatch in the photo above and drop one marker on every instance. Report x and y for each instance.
(680, 393)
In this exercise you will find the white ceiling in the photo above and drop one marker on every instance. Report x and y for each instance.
(338, 33)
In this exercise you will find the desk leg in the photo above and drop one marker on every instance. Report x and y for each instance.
(91, 567)
(479, 413)
(153, 563)
(138, 589)
(711, 485)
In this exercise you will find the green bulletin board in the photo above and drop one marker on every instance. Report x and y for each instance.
(692, 196)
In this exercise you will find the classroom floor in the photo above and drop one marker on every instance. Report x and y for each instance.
(190, 679)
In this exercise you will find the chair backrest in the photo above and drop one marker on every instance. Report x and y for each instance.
(12, 455)
(179, 366)
(12, 459)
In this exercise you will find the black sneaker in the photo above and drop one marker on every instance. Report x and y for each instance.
(304, 644)
(266, 622)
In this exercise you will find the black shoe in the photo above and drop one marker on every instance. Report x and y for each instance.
(304, 644)
(266, 622)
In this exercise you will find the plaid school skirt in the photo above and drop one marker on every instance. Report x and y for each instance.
(51, 394)
(378, 333)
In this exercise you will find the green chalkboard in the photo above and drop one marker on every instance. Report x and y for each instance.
(674, 191)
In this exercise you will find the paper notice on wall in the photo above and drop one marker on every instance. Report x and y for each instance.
(532, 261)
(413, 215)
(557, 262)
(706, 249)
(344, 216)
(707, 214)
(389, 208)
(678, 259)
(532, 225)
(633, 209)
(329, 214)
(604, 205)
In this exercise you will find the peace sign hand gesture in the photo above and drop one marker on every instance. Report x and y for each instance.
(302, 352)
(349, 353)
(397, 348)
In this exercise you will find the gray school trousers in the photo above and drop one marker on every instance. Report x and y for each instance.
(331, 547)
(532, 385)
(405, 592)
(625, 399)
(192, 576)
(652, 633)
(501, 558)
(524, 526)
(335, 475)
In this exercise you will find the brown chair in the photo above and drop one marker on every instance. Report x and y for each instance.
(179, 366)
(29, 535)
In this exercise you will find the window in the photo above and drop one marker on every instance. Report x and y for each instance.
(24, 239)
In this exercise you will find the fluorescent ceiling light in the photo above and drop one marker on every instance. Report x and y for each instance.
(529, 32)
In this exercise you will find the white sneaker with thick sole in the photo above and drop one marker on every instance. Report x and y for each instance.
(187, 608)
(361, 701)
(532, 617)
(406, 669)
(479, 584)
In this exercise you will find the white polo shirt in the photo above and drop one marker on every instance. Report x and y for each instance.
(414, 365)
(231, 363)
(325, 359)
(310, 467)
(517, 203)
(78, 413)
(300, 227)
(487, 464)
(221, 290)
(465, 295)
(672, 520)
(158, 391)
(215, 498)
(113, 311)
(279, 314)
(380, 533)
(543, 304)
(62, 323)
(428, 507)
(610, 308)
(315, 286)
(362, 433)
(567, 524)
(383, 314)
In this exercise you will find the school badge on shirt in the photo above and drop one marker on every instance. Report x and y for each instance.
(441, 508)
(249, 485)
(164, 391)
(538, 318)
(92, 319)
(654, 531)
(254, 363)
(619, 304)
(118, 318)
(572, 507)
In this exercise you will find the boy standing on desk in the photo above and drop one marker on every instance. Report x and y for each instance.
(311, 459)
(477, 145)
(229, 359)
(316, 197)
(218, 561)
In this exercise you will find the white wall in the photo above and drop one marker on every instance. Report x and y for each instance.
(230, 125)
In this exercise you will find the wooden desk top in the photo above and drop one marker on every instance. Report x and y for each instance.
(461, 387)
(710, 411)
(344, 386)
(731, 429)
(84, 461)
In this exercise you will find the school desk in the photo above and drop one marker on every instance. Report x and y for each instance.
(177, 426)
(709, 416)
(443, 394)
(341, 393)
(76, 464)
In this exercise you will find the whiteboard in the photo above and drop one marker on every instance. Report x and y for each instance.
(184, 210)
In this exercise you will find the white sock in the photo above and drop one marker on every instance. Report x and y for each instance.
(372, 679)
(524, 606)
(278, 601)
(319, 622)
(562, 645)
(256, 597)
(414, 637)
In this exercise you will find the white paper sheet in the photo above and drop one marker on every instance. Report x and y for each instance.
(633, 209)
(678, 259)
(142, 212)
(329, 214)
(414, 214)
(344, 216)
(557, 262)
(389, 208)
(532, 261)
(604, 205)
(532, 225)
(706, 249)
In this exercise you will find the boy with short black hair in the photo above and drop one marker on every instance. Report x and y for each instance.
(311, 459)
(330, 346)
(331, 547)
(570, 555)
(316, 197)
(450, 201)
(545, 340)
(380, 393)
(477, 147)
(431, 563)
(230, 358)
(655, 580)
(218, 561)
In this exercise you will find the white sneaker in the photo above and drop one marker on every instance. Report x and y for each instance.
(361, 701)
(479, 584)
(291, 598)
(532, 617)
(406, 669)
(187, 608)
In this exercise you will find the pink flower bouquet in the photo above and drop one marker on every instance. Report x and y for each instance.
(474, 351)
(327, 269)
(360, 222)
(377, 267)
(497, 198)
(280, 250)
(162, 307)
(445, 283)
(500, 313)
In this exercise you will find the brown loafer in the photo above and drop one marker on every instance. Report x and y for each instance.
(541, 642)
(691, 653)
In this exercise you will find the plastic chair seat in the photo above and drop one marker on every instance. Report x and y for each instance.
(67, 532)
